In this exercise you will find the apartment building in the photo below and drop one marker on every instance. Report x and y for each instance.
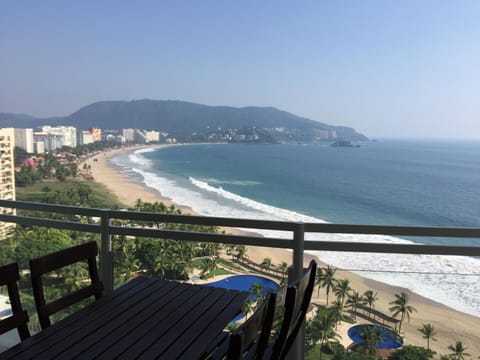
(152, 136)
(85, 137)
(24, 139)
(7, 175)
(50, 141)
(128, 135)
(69, 134)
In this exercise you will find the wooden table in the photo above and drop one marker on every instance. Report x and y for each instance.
(147, 318)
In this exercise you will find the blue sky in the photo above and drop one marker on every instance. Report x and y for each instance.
(386, 68)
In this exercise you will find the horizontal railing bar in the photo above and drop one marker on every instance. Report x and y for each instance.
(65, 209)
(391, 248)
(393, 230)
(204, 220)
(57, 224)
(250, 223)
(203, 237)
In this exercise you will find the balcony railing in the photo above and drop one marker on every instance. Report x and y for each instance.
(293, 237)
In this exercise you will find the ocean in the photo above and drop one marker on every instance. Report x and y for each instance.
(387, 182)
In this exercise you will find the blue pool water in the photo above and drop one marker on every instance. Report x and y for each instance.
(245, 283)
(388, 339)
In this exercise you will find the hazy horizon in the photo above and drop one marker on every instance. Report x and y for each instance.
(390, 70)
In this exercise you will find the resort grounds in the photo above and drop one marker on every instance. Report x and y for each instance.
(450, 325)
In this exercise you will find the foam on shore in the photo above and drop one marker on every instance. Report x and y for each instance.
(457, 289)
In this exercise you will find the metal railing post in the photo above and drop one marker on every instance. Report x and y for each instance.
(106, 253)
(298, 347)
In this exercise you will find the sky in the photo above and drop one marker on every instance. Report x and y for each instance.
(400, 69)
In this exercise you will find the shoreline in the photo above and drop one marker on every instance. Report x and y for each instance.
(451, 325)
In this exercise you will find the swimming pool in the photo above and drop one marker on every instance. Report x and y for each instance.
(388, 338)
(245, 283)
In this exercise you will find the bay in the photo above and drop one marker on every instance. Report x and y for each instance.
(389, 182)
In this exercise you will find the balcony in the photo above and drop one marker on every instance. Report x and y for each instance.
(109, 226)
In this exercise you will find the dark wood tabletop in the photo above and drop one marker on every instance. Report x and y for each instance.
(147, 318)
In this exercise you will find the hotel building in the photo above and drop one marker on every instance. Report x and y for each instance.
(7, 176)
(69, 134)
(24, 139)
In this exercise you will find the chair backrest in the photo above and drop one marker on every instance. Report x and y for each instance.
(58, 260)
(19, 318)
(250, 339)
(297, 301)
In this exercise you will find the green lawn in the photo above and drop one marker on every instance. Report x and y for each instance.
(314, 354)
(100, 196)
(229, 264)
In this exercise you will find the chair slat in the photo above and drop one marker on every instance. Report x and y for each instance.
(9, 276)
(58, 260)
(297, 301)
(251, 338)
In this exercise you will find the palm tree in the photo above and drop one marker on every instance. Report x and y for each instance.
(241, 252)
(400, 306)
(371, 336)
(247, 307)
(229, 250)
(208, 266)
(342, 289)
(458, 351)
(337, 309)
(318, 279)
(328, 280)
(370, 298)
(428, 332)
(283, 268)
(258, 291)
(267, 264)
(355, 299)
(323, 327)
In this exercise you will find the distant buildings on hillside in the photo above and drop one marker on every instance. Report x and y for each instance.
(48, 138)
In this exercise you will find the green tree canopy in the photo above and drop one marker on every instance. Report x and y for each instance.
(409, 352)
(37, 242)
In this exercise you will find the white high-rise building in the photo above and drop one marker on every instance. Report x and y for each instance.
(86, 137)
(7, 176)
(152, 136)
(50, 141)
(24, 139)
(39, 147)
(69, 133)
(129, 134)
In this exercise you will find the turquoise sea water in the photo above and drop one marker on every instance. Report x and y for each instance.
(427, 183)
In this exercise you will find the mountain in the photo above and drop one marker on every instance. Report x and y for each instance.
(182, 119)
(16, 120)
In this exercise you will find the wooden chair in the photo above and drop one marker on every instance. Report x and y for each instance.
(19, 318)
(297, 301)
(57, 260)
(250, 340)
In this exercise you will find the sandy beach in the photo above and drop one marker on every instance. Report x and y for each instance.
(451, 325)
